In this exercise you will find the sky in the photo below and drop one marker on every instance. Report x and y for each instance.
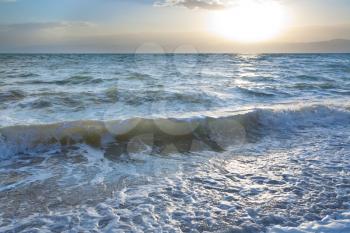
(134, 26)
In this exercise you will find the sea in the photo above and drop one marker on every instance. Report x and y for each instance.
(240, 143)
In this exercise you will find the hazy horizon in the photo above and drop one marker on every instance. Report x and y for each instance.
(44, 26)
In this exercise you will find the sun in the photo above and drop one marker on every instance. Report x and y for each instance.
(250, 21)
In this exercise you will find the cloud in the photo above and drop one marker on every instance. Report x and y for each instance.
(43, 25)
(196, 4)
(205, 4)
(24, 36)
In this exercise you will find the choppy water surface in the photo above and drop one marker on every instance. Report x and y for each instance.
(175, 143)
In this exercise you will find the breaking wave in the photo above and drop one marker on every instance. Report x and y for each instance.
(184, 134)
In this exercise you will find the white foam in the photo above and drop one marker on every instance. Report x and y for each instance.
(339, 224)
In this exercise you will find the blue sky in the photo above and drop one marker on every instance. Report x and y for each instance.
(30, 23)
(68, 10)
(19, 11)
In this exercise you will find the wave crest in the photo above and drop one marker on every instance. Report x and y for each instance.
(197, 133)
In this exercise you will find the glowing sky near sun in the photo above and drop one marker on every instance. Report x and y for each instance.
(121, 25)
(250, 21)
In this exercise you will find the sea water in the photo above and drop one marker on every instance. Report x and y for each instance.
(175, 143)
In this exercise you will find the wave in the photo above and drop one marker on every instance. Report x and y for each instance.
(168, 134)
(255, 92)
(73, 80)
(67, 100)
(79, 79)
(137, 98)
(12, 95)
(309, 86)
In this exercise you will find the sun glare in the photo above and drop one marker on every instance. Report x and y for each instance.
(250, 21)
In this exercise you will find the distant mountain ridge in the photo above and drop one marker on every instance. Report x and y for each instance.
(329, 46)
(202, 43)
(335, 45)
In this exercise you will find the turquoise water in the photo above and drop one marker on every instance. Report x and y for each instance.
(52, 88)
(174, 143)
